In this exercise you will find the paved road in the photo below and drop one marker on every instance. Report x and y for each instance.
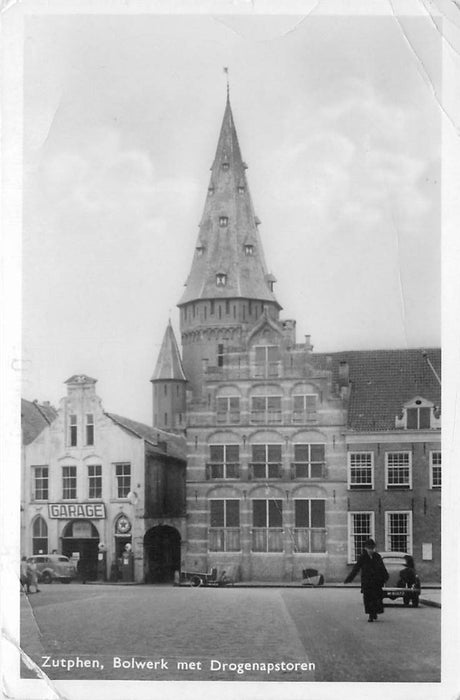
(318, 634)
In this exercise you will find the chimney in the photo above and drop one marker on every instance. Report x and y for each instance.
(308, 345)
(344, 373)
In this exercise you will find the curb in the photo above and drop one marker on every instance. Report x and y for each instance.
(429, 603)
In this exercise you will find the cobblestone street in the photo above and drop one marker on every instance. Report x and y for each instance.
(115, 630)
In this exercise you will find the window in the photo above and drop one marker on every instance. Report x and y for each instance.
(418, 418)
(398, 470)
(224, 533)
(211, 189)
(267, 361)
(69, 482)
(89, 429)
(309, 461)
(225, 165)
(73, 430)
(123, 479)
(267, 521)
(266, 462)
(40, 476)
(398, 531)
(225, 462)
(266, 409)
(220, 354)
(39, 536)
(360, 470)
(228, 409)
(241, 189)
(221, 279)
(249, 250)
(223, 221)
(310, 525)
(304, 407)
(435, 470)
(200, 250)
(360, 528)
(94, 481)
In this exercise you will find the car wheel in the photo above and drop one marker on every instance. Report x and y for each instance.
(196, 581)
(46, 577)
(406, 599)
(415, 601)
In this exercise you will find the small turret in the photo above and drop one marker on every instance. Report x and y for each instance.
(169, 384)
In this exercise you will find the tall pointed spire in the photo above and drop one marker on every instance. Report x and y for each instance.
(229, 260)
(169, 363)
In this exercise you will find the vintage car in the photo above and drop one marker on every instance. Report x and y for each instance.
(53, 567)
(403, 581)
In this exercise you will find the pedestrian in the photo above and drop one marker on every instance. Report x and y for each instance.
(373, 577)
(33, 576)
(25, 577)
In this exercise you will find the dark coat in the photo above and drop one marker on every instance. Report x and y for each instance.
(373, 571)
(373, 577)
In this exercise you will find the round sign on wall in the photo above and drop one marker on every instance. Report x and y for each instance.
(123, 525)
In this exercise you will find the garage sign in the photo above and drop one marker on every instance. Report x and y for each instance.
(76, 510)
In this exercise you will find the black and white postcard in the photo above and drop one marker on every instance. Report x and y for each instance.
(230, 229)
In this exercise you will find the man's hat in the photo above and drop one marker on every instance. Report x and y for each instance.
(369, 543)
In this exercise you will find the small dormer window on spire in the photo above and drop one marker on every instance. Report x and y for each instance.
(223, 221)
(241, 189)
(221, 279)
(200, 250)
(225, 165)
(210, 189)
(248, 249)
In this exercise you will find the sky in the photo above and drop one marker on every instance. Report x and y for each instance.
(339, 122)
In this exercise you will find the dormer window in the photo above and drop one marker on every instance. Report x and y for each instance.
(271, 285)
(418, 414)
(257, 221)
(223, 221)
(221, 279)
(241, 189)
(210, 189)
(225, 166)
(200, 250)
(249, 249)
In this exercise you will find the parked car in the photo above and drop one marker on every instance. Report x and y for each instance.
(403, 581)
(53, 567)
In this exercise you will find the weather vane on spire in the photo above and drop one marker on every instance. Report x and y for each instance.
(228, 84)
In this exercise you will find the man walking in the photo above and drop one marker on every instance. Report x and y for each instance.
(373, 577)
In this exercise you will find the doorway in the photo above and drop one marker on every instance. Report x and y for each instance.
(82, 538)
(161, 554)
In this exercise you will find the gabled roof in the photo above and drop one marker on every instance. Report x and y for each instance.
(35, 417)
(169, 363)
(382, 381)
(175, 444)
(222, 248)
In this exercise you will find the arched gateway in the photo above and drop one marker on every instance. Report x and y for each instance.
(161, 553)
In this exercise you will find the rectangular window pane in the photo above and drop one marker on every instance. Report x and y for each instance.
(299, 403)
(233, 513)
(234, 402)
(310, 402)
(318, 518)
(232, 453)
(217, 453)
(317, 453)
(302, 513)
(258, 403)
(425, 416)
(259, 513)
(274, 403)
(217, 513)
(258, 453)
(275, 515)
(301, 453)
(412, 418)
(274, 453)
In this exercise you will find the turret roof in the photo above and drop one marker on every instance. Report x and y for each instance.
(169, 363)
(228, 242)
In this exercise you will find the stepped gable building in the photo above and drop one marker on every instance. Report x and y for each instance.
(95, 481)
(293, 457)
